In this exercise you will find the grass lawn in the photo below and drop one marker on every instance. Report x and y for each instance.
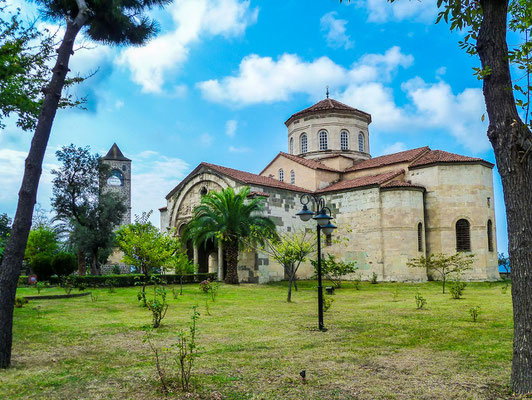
(254, 344)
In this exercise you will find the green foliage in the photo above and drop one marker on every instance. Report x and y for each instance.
(64, 264)
(504, 262)
(124, 280)
(230, 218)
(443, 264)
(144, 246)
(116, 269)
(20, 301)
(327, 302)
(334, 270)
(41, 265)
(111, 283)
(474, 312)
(187, 350)
(457, 289)
(26, 55)
(209, 288)
(420, 301)
(39, 286)
(5, 225)
(356, 281)
(374, 278)
(42, 240)
(66, 284)
(89, 215)
(158, 305)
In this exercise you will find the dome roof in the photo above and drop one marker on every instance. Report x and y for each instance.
(328, 105)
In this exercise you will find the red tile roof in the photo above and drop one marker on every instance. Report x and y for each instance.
(398, 184)
(403, 156)
(328, 105)
(440, 156)
(303, 161)
(240, 176)
(363, 181)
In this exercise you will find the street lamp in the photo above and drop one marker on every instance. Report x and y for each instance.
(323, 223)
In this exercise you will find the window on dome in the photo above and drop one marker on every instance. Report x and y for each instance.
(361, 142)
(116, 178)
(281, 175)
(292, 177)
(291, 148)
(303, 140)
(463, 236)
(344, 140)
(323, 140)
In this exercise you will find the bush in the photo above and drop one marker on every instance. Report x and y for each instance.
(20, 301)
(327, 303)
(420, 301)
(41, 265)
(474, 312)
(158, 305)
(39, 286)
(334, 270)
(374, 278)
(63, 264)
(457, 289)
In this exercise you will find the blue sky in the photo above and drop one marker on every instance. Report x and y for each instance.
(222, 76)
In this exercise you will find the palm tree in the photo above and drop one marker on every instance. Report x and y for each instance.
(228, 217)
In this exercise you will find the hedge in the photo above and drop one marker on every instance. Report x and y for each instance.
(124, 280)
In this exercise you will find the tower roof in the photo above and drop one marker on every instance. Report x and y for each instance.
(115, 154)
(328, 105)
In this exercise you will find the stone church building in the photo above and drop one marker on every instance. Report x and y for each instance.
(391, 208)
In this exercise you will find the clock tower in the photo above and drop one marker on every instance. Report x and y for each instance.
(119, 180)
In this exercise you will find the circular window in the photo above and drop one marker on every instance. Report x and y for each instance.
(115, 178)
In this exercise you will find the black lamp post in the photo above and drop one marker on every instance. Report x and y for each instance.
(323, 224)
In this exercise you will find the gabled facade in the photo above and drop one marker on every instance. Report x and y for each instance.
(390, 208)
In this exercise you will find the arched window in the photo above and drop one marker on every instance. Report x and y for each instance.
(360, 141)
(281, 175)
(116, 178)
(292, 177)
(420, 237)
(303, 143)
(323, 140)
(490, 235)
(291, 146)
(344, 140)
(203, 191)
(463, 237)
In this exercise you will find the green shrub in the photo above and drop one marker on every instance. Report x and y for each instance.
(457, 289)
(374, 278)
(158, 305)
(356, 281)
(474, 312)
(420, 301)
(39, 286)
(20, 301)
(327, 303)
(63, 264)
(66, 284)
(116, 269)
(41, 265)
(129, 280)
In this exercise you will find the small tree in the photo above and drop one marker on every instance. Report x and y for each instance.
(505, 263)
(289, 249)
(179, 261)
(42, 240)
(443, 264)
(144, 247)
(334, 270)
(5, 231)
(41, 265)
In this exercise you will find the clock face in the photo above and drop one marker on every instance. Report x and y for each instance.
(115, 178)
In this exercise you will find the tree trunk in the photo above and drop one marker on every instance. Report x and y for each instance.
(289, 296)
(82, 263)
(14, 252)
(232, 262)
(512, 145)
(94, 263)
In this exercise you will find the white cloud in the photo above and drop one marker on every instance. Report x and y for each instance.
(193, 19)
(230, 127)
(154, 175)
(380, 11)
(206, 139)
(393, 148)
(365, 85)
(437, 106)
(335, 31)
(233, 149)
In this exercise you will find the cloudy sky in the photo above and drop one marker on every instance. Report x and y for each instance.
(222, 76)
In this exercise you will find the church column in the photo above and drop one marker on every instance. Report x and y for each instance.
(196, 259)
(220, 262)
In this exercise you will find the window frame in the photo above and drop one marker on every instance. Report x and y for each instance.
(361, 142)
(462, 229)
(292, 177)
(323, 134)
(303, 147)
(344, 134)
(420, 237)
(281, 175)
